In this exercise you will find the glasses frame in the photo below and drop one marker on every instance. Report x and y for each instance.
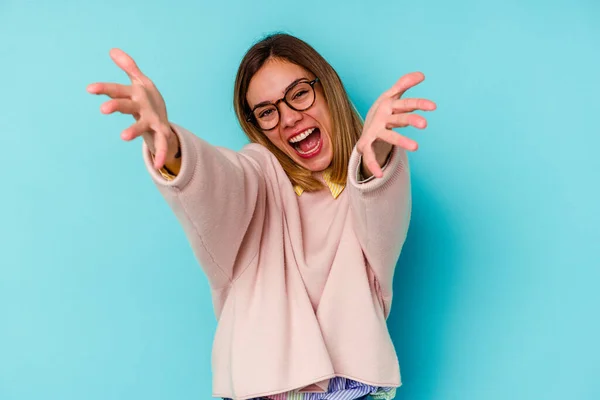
(252, 119)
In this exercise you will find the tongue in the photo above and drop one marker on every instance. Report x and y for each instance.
(310, 142)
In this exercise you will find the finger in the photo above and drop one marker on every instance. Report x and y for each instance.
(408, 105)
(126, 63)
(396, 139)
(114, 90)
(124, 106)
(161, 146)
(134, 131)
(405, 83)
(406, 119)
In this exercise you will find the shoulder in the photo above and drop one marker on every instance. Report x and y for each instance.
(257, 151)
(270, 168)
(263, 158)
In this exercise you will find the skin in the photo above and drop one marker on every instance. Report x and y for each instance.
(391, 111)
(142, 100)
(269, 84)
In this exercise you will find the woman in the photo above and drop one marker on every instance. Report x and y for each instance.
(300, 231)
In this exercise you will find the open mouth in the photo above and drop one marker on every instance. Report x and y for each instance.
(308, 143)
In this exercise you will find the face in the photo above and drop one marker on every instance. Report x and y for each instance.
(305, 136)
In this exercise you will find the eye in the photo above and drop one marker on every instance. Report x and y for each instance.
(265, 113)
(300, 93)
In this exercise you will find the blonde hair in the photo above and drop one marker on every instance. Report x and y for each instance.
(345, 120)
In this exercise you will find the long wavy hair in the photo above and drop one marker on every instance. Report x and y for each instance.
(346, 122)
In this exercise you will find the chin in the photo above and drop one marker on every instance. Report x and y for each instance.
(317, 164)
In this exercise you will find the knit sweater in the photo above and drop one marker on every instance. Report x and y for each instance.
(301, 285)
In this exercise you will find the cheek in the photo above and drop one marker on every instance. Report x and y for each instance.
(274, 137)
(322, 110)
(324, 117)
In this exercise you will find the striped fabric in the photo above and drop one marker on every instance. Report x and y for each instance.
(334, 188)
(339, 389)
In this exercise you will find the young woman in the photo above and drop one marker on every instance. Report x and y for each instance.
(300, 231)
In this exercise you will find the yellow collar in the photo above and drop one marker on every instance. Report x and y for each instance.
(334, 188)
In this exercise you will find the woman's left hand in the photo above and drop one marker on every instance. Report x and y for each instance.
(391, 111)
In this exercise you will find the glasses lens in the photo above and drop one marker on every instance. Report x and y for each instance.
(267, 116)
(301, 96)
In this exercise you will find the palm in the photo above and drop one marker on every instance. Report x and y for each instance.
(391, 111)
(142, 100)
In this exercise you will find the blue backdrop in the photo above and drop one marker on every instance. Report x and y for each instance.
(496, 292)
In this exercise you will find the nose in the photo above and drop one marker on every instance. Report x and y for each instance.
(288, 116)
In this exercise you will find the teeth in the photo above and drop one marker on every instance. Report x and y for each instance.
(307, 152)
(301, 136)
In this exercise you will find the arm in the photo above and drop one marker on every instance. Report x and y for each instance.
(173, 159)
(381, 210)
(381, 204)
(217, 197)
(217, 194)
(382, 151)
(172, 166)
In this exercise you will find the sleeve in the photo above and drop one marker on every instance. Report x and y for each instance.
(218, 197)
(360, 178)
(381, 210)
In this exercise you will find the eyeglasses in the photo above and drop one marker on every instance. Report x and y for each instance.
(299, 97)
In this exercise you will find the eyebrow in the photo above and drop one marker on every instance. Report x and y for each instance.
(265, 103)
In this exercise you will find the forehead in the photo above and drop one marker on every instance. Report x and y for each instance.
(271, 80)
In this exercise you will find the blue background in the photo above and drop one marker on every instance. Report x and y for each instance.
(496, 293)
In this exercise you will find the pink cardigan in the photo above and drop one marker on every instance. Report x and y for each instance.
(301, 285)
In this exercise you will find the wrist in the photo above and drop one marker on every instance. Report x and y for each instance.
(173, 158)
(173, 149)
(382, 152)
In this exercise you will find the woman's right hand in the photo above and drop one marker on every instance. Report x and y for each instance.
(144, 102)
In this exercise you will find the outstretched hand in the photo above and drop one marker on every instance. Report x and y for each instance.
(144, 102)
(390, 111)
